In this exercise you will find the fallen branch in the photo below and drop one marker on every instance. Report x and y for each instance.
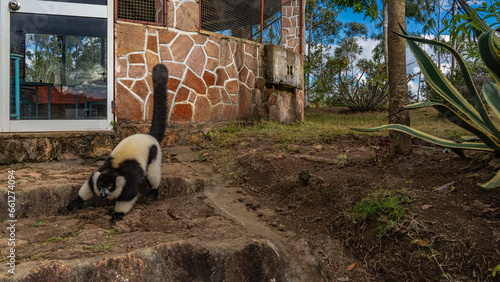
(316, 159)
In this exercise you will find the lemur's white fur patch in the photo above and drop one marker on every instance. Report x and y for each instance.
(135, 147)
(153, 174)
(124, 206)
(85, 192)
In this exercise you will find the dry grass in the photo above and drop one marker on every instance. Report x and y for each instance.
(320, 124)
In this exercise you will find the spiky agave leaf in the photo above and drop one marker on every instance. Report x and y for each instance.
(478, 146)
(491, 93)
(489, 45)
(492, 184)
(477, 113)
(459, 120)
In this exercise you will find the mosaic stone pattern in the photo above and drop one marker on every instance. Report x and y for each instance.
(212, 78)
(290, 25)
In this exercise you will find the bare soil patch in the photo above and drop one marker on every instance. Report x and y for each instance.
(452, 234)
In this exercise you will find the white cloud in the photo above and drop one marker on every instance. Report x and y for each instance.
(413, 86)
(368, 46)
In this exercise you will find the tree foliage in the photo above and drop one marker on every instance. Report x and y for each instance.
(322, 29)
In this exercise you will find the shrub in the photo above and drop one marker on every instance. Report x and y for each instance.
(361, 92)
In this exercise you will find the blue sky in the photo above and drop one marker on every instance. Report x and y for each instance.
(349, 16)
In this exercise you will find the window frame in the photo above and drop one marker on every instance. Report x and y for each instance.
(63, 8)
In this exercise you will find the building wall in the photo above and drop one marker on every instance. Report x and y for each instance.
(212, 78)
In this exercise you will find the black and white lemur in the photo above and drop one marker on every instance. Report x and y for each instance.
(133, 159)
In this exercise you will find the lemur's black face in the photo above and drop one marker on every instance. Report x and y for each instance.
(106, 183)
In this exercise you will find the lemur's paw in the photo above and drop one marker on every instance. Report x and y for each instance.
(76, 203)
(116, 216)
(153, 194)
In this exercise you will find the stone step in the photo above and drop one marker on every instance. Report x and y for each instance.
(253, 260)
(44, 189)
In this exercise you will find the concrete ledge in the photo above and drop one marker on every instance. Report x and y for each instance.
(283, 67)
(45, 146)
(40, 147)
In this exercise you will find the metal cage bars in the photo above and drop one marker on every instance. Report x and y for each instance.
(243, 19)
(151, 12)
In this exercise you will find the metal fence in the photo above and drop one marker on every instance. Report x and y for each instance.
(143, 11)
(243, 19)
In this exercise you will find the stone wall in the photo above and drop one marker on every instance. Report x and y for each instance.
(290, 25)
(213, 78)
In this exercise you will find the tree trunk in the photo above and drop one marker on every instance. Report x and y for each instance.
(439, 35)
(453, 39)
(385, 30)
(308, 75)
(398, 89)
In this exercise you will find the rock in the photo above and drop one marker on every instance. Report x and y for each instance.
(257, 261)
(129, 267)
(186, 261)
(304, 177)
(51, 271)
(318, 147)
(254, 205)
(294, 148)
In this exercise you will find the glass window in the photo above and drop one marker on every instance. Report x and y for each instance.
(58, 67)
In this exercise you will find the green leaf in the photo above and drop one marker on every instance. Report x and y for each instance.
(467, 139)
(429, 138)
(492, 184)
(420, 105)
(489, 140)
(451, 115)
(478, 21)
(489, 52)
(439, 82)
(491, 94)
(445, 88)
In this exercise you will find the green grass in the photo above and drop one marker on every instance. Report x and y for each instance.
(38, 224)
(386, 208)
(319, 126)
(108, 244)
(38, 256)
(54, 239)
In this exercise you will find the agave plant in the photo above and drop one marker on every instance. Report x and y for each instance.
(471, 117)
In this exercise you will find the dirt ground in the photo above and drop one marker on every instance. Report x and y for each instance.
(296, 191)
(447, 235)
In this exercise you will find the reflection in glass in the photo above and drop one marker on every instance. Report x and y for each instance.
(58, 75)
